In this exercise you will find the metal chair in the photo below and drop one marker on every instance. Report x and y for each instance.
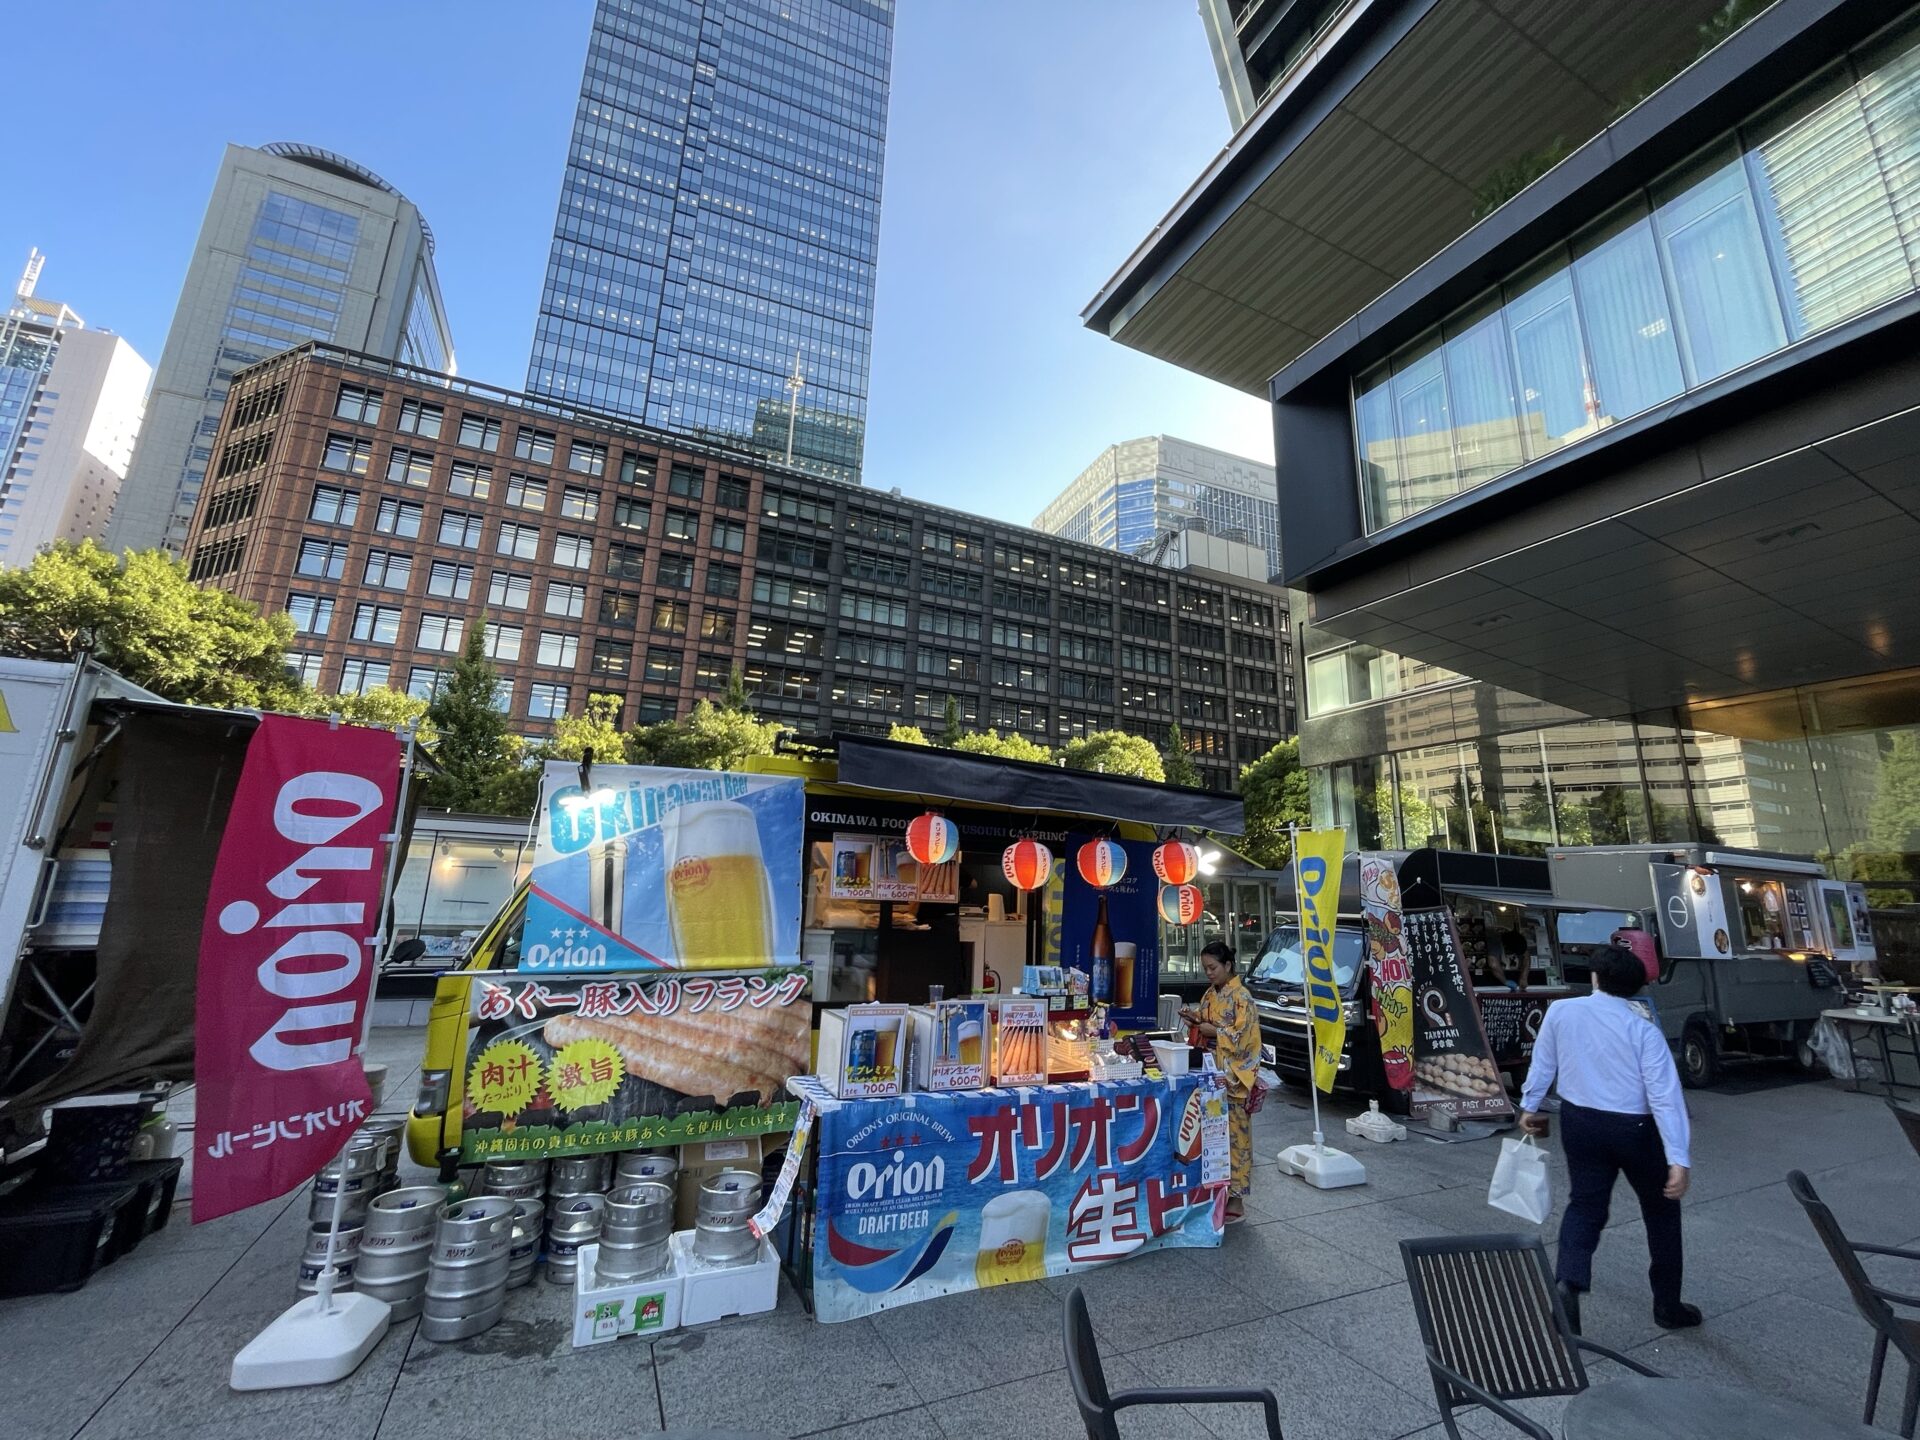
(1493, 1326)
(1909, 1119)
(1099, 1408)
(1874, 1302)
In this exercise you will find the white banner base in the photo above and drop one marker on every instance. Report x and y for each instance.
(1322, 1167)
(312, 1343)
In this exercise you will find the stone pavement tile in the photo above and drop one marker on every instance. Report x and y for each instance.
(231, 1233)
(1164, 1294)
(956, 1343)
(159, 1289)
(1369, 1232)
(260, 1283)
(1323, 1394)
(1782, 1347)
(1376, 1329)
(182, 1388)
(357, 1418)
(1288, 1197)
(59, 1372)
(537, 1324)
(1464, 1211)
(915, 1424)
(1285, 1266)
(1041, 1408)
(609, 1390)
(764, 1374)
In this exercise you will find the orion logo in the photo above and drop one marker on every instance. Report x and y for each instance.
(1323, 994)
(896, 1178)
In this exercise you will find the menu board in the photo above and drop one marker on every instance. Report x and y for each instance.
(1453, 1067)
(1512, 1022)
(878, 867)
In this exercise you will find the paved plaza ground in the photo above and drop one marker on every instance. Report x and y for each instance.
(1307, 1298)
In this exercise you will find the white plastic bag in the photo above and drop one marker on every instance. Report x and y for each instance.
(1520, 1184)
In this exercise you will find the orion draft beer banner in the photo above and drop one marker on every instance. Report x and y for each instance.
(1317, 859)
(664, 870)
(925, 1195)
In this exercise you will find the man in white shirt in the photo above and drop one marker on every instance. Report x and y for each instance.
(1621, 1112)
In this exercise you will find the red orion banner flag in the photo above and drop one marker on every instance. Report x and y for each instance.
(286, 959)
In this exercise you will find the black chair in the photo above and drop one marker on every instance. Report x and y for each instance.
(1493, 1327)
(1099, 1409)
(1874, 1302)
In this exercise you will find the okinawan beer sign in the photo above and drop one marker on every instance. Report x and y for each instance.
(1453, 1064)
(664, 870)
(1317, 857)
(571, 1066)
(1388, 968)
(925, 1195)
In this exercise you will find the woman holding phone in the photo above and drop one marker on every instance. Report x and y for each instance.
(1230, 1027)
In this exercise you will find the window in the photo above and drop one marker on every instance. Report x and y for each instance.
(1078, 576)
(1153, 662)
(359, 676)
(655, 710)
(717, 625)
(781, 505)
(473, 481)
(730, 536)
(626, 561)
(534, 445)
(520, 541)
(675, 573)
(441, 632)
(932, 705)
(1142, 591)
(732, 493)
(723, 580)
(566, 600)
(1079, 610)
(1011, 715)
(781, 683)
(558, 649)
(784, 638)
(579, 503)
(663, 666)
(619, 608)
(872, 609)
(686, 482)
(323, 559)
(236, 457)
(1145, 624)
(586, 458)
(334, 506)
(1013, 560)
(347, 454)
(1249, 612)
(546, 702)
(575, 552)
(376, 624)
(1020, 637)
(950, 584)
(304, 666)
(883, 528)
(410, 467)
(1198, 705)
(1010, 675)
(417, 417)
(526, 493)
(610, 657)
(358, 403)
(1249, 715)
(424, 682)
(502, 641)
(477, 432)
(952, 542)
(636, 470)
(252, 409)
(670, 617)
(1137, 696)
(1086, 649)
(1201, 603)
(459, 528)
(869, 650)
(875, 569)
(312, 614)
(953, 624)
(1096, 689)
(1206, 637)
(388, 569)
(402, 519)
(682, 525)
(784, 550)
(949, 665)
(790, 594)
(1253, 647)
(873, 696)
(711, 672)
(1021, 599)
(1198, 670)
(507, 591)
(632, 514)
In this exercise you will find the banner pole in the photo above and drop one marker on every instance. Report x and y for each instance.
(1313, 1035)
(382, 935)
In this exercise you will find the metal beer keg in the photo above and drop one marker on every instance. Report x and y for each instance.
(355, 1170)
(633, 1239)
(637, 1165)
(572, 1221)
(313, 1259)
(396, 1243)
(515, 1179)
(467, 1276)
(720, 1232)
(391, 1131)
(577, 1175)
(529, 1218)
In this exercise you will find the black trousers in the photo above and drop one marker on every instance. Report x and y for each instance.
(1601, 1146)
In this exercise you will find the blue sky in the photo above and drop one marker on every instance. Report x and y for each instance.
(1031, 144)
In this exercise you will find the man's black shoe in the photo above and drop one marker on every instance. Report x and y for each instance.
(1570, 1302)
(1679, 1317)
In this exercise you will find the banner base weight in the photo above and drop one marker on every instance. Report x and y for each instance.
(312, 1344)
(1322, 1167)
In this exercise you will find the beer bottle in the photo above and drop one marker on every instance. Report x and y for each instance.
(1101, 953)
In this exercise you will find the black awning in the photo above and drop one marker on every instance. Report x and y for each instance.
(890, 766)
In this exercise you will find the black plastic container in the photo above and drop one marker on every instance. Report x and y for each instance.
(56, 1239)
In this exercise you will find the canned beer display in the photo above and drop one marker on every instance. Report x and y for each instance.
(396, 1243)
(467, 1275)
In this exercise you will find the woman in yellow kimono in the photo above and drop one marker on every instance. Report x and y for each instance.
(1229, 1024)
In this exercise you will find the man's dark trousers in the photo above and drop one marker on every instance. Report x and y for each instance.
(1600, 1146)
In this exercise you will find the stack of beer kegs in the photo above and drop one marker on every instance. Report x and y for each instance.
(633, 1239)
(313, 1259)
(529, 1219)
(356, 1171)
(515, 1179)
(634, 1166)
(391, 1131)
(572, 1221)
(578, 1175)
(467, 1275)
(396, 1243)
(720, 1233)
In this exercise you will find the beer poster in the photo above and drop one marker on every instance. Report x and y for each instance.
(1134, 921)
(657, 869)
(1453, 1065)
(1392, 976)
(572, 1066)
(879, 867)
(926, 1195)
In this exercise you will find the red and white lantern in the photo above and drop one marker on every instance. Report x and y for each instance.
(1176, 862)
(932, 838)
(1102, 863)
(1027, 864)
(1180, 904)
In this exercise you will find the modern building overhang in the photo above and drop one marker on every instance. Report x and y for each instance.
(1366, 161)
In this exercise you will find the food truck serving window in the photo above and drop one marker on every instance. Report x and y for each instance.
(1774, 913)
(1589, 927)
(1281, 962)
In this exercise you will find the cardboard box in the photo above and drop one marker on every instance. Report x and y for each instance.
(863, 1050)
(701, 1160)
(713, 1292)
(942, 1034)
(639, 1307)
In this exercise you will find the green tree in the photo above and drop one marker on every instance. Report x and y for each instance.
(1011, 746)
(707, 738)
(736, 700)
(1114, 752)
(597, 729)
(1273, 790)
(479, 762)
(380, 707)
(1890, 854)
(907, 735)
(1176, 765)
(142, 617)
(950, 731)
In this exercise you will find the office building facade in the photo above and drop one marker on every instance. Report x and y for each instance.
(386, 507)
(719, 223)
(1140, 493)
(1634, 452)
(298, 244)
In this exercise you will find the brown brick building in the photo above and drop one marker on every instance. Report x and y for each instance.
(385, 507)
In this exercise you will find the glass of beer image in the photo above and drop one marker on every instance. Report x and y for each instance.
(719, 900)
(1124, 956)
(1013, 1239)
(886, 1050)
(967, 1050)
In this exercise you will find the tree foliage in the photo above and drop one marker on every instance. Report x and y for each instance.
(1177, 767)
(1010, 746)
(480, 763)
(381, 707)
(1114, 752)
(907, 735)
(709, 737)
(1273, 790)
(598, 730)
(950, 731)
(736, 699)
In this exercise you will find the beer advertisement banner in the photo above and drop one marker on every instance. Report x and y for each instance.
(925, 1195)
(1453, 1064)
(1134, 984)
(1387, 965)
(571, 1066)
(1317, 859)
(661, 869)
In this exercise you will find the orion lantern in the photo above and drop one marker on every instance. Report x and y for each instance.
(1180, 904)
(1027, 864)
(1102, 863)
(1176, 862)
(932, 838)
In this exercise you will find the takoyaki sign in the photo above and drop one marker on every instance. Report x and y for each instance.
(1453, 1065)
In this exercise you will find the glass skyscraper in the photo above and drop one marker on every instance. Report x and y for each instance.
(719, 222)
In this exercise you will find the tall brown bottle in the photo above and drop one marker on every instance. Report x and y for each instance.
(1100, 951)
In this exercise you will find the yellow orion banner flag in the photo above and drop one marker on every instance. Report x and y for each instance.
(1316, 861)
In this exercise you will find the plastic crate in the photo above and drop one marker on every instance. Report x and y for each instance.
(55, 1241)
(158, 1180)
(90, 1142)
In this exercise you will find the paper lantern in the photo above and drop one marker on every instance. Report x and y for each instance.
(1180, 904)
(1102, 863)
(1027, 864)
(1176, 862)
(932, 839)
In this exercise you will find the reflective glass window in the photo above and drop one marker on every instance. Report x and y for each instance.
(1728, 310)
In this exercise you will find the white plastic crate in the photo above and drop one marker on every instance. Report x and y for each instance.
(640, 1307)
(713, 1292)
